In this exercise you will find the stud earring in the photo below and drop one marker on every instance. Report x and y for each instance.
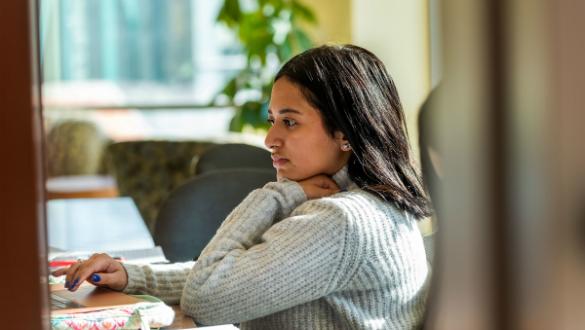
(346, 147)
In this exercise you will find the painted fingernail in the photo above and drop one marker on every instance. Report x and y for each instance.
(95, 278)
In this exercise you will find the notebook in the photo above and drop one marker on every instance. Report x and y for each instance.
(147, 255)
(87, 298)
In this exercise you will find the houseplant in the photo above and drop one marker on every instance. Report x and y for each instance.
(270, 32)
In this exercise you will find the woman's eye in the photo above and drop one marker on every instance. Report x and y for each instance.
(270, 121)
(289, 122)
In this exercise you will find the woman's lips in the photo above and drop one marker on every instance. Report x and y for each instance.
(278, 161)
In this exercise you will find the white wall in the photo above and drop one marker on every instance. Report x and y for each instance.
(334, 21)
(397, 31)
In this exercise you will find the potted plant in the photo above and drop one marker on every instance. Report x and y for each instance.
(270, 32)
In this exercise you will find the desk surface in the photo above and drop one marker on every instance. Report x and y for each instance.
(96, 224)
(80, 186)
(103, 224)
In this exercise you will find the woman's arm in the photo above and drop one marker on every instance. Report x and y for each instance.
(167, 281)
(252, 268)
(163, 281)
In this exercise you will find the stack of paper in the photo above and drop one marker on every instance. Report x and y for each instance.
(148, 255)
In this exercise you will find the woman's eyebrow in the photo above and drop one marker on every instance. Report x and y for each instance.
(286, 110)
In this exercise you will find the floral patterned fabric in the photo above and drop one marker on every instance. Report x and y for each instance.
(148, 171)
(144, 316)
(75, 147)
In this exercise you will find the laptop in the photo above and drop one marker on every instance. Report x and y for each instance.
(87, 298)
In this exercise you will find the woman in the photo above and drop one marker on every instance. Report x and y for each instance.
(334, 243)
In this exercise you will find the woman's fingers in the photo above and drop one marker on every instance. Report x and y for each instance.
(319, 186)
(99, 269)
(324, 192)
(98, 279)
(60, 271)
(111, 280)
(70, 279)
(85, 269)
(326, 182)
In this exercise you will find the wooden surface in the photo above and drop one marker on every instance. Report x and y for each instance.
(81, 186)
(25, 303)
(181, 321)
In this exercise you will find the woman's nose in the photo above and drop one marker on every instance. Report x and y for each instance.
(273, 140)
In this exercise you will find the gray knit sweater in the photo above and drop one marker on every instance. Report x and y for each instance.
(347, 261)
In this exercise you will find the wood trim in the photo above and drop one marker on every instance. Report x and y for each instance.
(22, 227)
(567, 224)
(510, 123)
(102, 193)
(468, 288)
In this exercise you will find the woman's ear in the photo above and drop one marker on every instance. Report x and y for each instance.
(342, 141)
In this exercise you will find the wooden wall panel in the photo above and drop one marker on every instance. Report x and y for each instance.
(22, 231)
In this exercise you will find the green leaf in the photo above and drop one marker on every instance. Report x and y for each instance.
(304, 12)
(237, 123)
(230, 13)
(233, 9)
(285, 51)
(255, 114)
(250, 111)
(231, 88)
(303, 39)
(256, 33)
(278, 5)
(266, 89)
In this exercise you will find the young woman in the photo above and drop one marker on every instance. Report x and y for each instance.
(333, 243)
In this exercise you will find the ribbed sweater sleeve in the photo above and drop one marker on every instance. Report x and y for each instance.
(254, 267)
(168, 281)
(163, 281)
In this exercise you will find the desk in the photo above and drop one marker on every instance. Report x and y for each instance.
(81, 186)
(103, 224)
(96, 224)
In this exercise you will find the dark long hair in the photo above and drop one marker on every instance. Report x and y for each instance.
(355, 95)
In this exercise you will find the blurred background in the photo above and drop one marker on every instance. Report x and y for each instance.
(134, 91)
(182, 68)
(503, 129)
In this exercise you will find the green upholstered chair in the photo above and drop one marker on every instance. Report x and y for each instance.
(148, 171)
(75, 147)
(234, 155)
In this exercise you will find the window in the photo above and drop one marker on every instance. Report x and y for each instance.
(124, 64)
(134, 53)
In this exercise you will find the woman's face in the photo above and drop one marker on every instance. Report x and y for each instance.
(300, 145)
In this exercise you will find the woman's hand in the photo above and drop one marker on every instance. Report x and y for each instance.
(100, 269)
(319, 186)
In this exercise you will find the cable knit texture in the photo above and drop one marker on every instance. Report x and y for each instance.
(347, 261)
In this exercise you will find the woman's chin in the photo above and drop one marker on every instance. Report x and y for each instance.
(281, 175)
